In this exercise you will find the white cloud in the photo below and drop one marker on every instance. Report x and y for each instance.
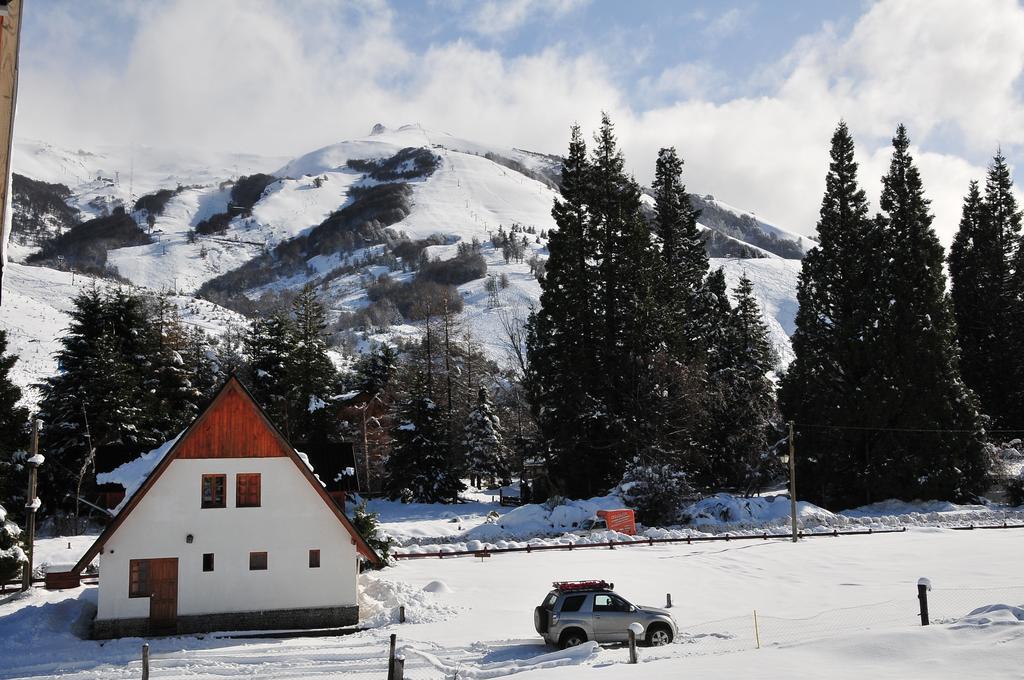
(728, 23)
(261, 76)
(496, 17)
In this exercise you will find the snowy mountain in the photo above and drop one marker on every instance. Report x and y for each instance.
(338, 217)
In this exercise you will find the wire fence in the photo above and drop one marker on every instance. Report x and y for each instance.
(761, 629)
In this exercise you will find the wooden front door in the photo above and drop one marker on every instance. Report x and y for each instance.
(163, 601)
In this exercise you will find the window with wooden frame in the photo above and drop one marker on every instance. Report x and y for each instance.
(214, 491)
(257, 561)
(247, 490)
(314, 559)
(207, 561)
(138, 578)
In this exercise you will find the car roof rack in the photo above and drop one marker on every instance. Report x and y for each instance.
(569, 586)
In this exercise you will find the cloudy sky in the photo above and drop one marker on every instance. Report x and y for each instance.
(749, 92)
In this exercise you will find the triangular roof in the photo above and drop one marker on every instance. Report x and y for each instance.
(266, 441)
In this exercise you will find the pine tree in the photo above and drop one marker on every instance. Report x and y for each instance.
(95, 410)
(267, 346)
(13, 430)
(310, 374)
(418, 468)
(835, 341)
(483, 441)
(562, 337)
(684, 255)
(368, 525)
(917, 381)
(986, 304)
(749, 416)
(175, 398)
(375, 371)
(12, 557)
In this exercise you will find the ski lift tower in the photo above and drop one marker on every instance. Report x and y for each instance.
(10, 35)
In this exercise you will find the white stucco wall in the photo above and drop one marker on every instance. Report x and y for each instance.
(291, 521)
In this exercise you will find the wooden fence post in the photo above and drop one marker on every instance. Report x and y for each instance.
(923, 586)
(391, 658)
(399, 666)
(668, 600)
(145, 661)
(401, 614)
(634, 630)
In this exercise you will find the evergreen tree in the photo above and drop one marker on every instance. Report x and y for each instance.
(684, 255)
(984, 292)
(267, 345)
(368, 525)
(375, 371)
(835, 341)
(748, 415)
(562, 338)
(95, 410)
(175, 398)
(418, 468)
(12, 557)
(917, 380)
(309, 374)
(483, 441)
(13, 431)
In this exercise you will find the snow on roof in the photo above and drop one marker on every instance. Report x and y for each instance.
(133, 474)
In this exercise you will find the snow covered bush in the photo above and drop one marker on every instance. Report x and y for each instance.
(11, 554)
(368, 525)
(657, 492)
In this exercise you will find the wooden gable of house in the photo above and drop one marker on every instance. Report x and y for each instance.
(233, 427)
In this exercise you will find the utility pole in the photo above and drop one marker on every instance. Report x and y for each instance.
(31, 504)
(792, 481)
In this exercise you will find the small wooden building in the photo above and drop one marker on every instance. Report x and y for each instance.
(225, 527)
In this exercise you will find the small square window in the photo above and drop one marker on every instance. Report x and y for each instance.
(314, 559)
(247, 490)
(213, 491)
(257, 561)
(138, 580)
(207, 561)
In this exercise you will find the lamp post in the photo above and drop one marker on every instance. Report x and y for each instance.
(790, 459)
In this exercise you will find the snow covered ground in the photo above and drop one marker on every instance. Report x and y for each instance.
(837, 608)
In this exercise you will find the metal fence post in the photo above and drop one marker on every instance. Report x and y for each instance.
(923, 586)
(145, 661)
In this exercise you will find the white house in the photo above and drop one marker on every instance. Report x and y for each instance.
(227, 529)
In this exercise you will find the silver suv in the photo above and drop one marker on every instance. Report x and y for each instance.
(577, 611)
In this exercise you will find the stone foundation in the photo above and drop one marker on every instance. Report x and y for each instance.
(272, 619)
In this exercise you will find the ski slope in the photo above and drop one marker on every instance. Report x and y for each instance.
(467, 197)
(34, 312)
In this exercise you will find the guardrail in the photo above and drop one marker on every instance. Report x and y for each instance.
(640, 542)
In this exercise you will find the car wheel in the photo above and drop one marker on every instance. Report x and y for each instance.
(572, 638)
(659, 636)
